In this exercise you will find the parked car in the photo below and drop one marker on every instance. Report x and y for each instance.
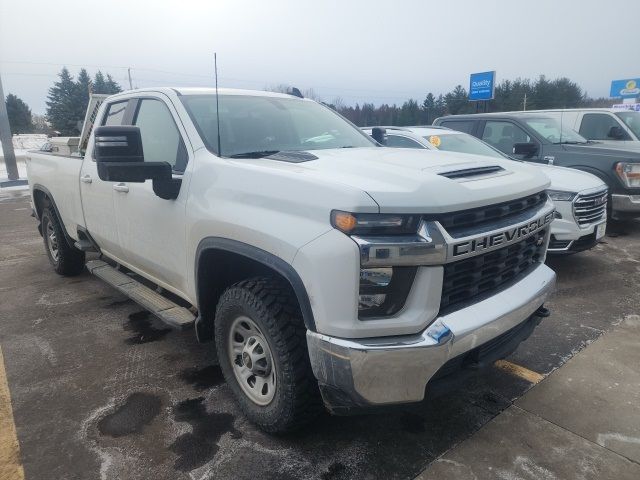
(579, 197)
(615, 128)
(322, 265)
(541, 139)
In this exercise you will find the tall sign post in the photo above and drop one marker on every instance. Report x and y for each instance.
(482, 87)
(5, 139)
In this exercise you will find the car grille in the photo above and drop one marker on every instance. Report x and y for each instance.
(467, 279)
(590, 208)
(458, 222)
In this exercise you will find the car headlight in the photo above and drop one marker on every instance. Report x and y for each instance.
(561, 196)
(384, 291)
(629, 173)
(374, 223)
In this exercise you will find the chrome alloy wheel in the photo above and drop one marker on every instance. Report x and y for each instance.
(52, 241)
(252, 361)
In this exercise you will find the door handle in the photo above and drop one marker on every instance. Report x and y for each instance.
(121, 187)
(86, 179)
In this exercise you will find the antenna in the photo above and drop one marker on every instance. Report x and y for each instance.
(215, 66)
(129, 73)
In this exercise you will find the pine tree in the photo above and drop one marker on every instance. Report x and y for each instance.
(19, 115)
(83, 89)
(99, 84)
(61, 108)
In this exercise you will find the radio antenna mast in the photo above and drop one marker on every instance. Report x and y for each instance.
(215, 66)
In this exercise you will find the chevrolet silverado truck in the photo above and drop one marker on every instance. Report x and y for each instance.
(323, 267)
(580, 198)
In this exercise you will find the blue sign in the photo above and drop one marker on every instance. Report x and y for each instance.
(629, 88)
(482, 86)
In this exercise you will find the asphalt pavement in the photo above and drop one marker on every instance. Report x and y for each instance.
(99, 389)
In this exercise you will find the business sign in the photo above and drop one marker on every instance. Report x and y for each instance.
(482, 86)
(629, 88)
(627, 106)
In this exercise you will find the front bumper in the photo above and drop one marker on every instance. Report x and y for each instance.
(389, 370)
(625, 203)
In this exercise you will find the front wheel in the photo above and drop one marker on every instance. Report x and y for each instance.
(261, 344)
(65, 259)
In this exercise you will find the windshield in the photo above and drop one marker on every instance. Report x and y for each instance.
(631, 120)
(549, 128)
(252, 124)
(462, 143)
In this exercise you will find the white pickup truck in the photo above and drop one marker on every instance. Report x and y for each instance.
(323, 266)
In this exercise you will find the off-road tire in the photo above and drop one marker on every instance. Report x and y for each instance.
(70, 261)
(272, 305)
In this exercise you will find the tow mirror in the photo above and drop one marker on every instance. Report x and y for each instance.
(379, 134)
(120, 158)
(527, 150)
(617, 133)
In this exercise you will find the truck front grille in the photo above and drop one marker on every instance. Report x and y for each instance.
(457, 222)
(590, 208)
(467, 279)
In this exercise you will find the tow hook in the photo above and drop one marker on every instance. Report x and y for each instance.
(542, 312)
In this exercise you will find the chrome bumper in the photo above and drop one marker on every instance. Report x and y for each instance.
(387, 370)
(625, 203)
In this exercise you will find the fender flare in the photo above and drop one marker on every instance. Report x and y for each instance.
(45, 190)
(265, 258)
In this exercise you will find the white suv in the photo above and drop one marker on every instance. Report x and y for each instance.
(579, 197)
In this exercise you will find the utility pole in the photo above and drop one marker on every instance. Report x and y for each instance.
(524, 104)
(130, 83)
(5, 139)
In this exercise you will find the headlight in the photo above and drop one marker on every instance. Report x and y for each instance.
(384, 291)
(374, 223)
(561, 196)
(629, 173)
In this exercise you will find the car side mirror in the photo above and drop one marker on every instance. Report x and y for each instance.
(617, 133)
(120, 158)
(527, 150)
(379, 135)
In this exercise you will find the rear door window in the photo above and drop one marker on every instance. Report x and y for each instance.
(115, 113)
(504, 135)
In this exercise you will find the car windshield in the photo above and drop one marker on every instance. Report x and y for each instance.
(462, 143)
(257, 126)
(631, 120)
(550, 129)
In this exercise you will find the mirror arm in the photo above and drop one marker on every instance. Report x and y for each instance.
(167, 189)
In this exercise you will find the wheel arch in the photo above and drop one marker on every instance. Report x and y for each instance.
(221, 262)
(43, 198)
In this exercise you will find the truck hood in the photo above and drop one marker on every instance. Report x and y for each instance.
(411, 180)
(570, 179)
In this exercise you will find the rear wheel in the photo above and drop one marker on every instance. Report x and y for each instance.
(65, 259)
(262, 351)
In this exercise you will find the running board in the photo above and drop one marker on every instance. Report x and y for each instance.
(163, 308)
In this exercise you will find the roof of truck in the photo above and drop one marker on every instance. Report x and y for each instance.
(207, 91)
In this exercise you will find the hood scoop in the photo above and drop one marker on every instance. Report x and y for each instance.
(472, 172)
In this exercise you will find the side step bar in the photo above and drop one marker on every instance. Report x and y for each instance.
(163, 308)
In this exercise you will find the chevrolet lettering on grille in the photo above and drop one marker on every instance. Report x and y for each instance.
(501, 238)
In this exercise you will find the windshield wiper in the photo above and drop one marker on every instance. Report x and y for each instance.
(570, 142)
(257, 154)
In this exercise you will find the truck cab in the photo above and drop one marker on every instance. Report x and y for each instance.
(611, 127)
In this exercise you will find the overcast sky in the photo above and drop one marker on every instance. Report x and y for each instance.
(357, 50)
